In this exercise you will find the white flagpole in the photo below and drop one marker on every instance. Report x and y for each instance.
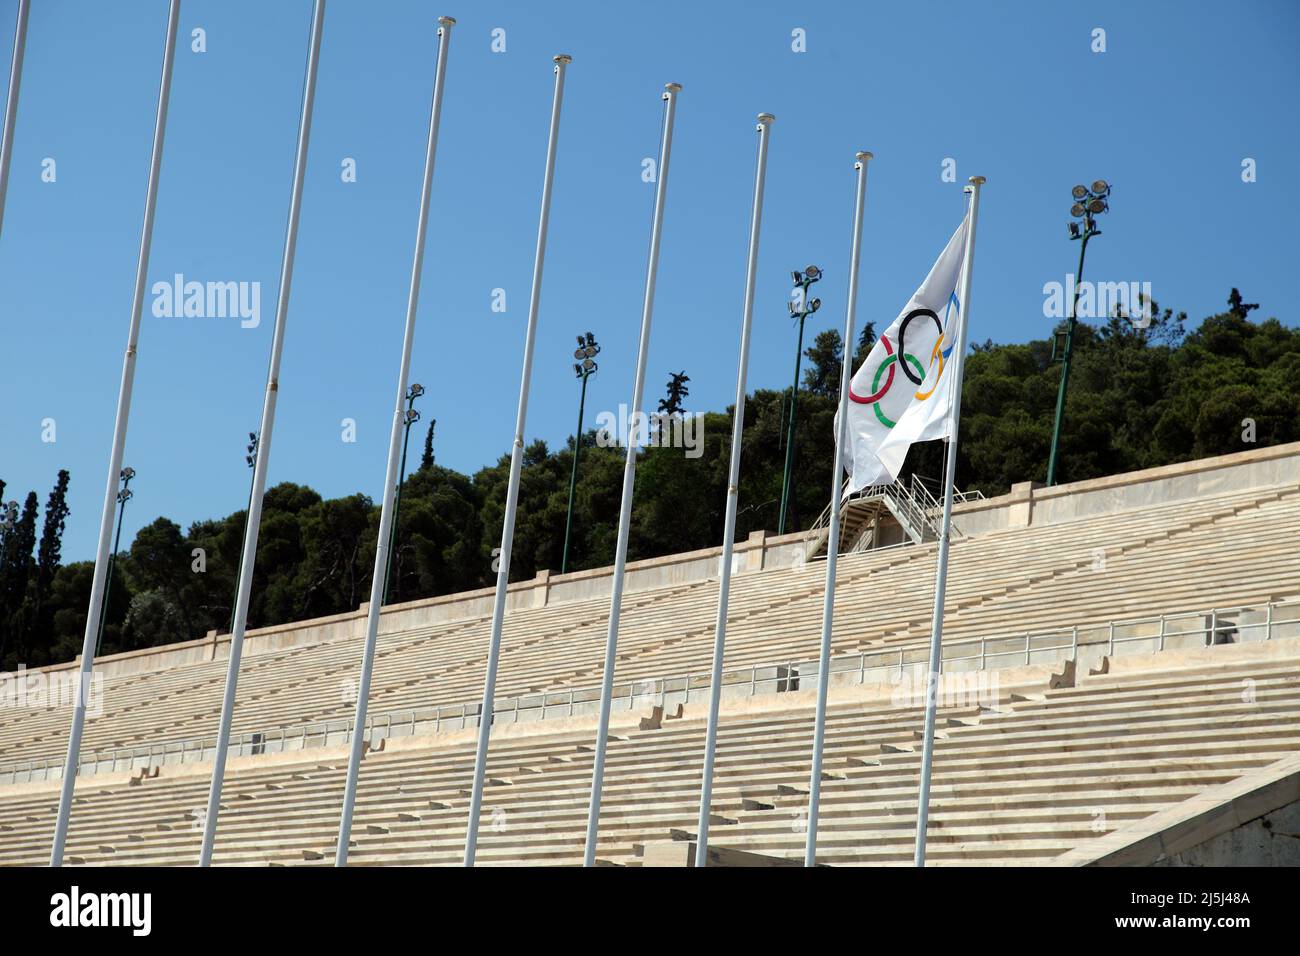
(394, 447)
(253, 525)
(833, 543)
(733, 492)
(629, 476)
(941, 572)
(11, 105)
(72, 763)
(516, 464)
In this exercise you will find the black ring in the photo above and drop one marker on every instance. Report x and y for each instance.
(902, 332)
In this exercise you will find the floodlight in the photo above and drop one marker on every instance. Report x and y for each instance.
(797, 276)
(579, 353)
(1078, 192)
(813, 273)
(1100, 187)
(580, 342)
(591, 341)
(417, 390)
(588, 364)
(1097, 205)
(793, 310)
(577, 369)
(128, 473)
(1074, 230)
(815, 304)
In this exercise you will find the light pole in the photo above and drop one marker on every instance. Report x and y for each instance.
(409, 419)
(123, 496)
(1087, 203)
(805, 308)
(584, 367)
(250, 458)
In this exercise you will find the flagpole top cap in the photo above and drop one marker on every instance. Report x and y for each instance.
(562, 59)
(672, 87)
(977, 180)
(447, 21)
(766, 119)
(863, 155)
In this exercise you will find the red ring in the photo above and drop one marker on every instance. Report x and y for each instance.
(889, 380)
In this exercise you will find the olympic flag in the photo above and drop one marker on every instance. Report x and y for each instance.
(901, 393)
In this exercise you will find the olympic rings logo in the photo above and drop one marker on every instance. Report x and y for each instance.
(908, 362)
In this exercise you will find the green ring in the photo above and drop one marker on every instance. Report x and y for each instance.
(875, 384)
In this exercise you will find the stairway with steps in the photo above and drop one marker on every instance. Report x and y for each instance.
(1036, 769)
(1223, 550)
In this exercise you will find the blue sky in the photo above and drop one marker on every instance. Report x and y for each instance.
(1011, 91)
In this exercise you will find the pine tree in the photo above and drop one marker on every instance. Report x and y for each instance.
(825, 356)
(18, 567)
(426, 460)
(677, 390)
(51, 548)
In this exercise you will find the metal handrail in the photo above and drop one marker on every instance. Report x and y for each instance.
(915, 503)
(990, 651)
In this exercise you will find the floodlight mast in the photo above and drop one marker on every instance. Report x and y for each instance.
(410, 417)
(805, 308)
(123, 496)
(250, 459)
(1087, 203)
(587, 349)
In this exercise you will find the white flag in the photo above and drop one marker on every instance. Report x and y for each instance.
(901, 394)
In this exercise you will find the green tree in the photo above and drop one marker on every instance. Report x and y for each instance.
(16, 570)
(825, 358)
(1144, 392)
(426, 458)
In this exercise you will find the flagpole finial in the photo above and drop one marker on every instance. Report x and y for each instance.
(447, 21)
(766, 119)
(977, 180)
(562, 58)
(863, 155)
(672, 88)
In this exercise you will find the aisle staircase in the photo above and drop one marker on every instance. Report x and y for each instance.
(915, 506)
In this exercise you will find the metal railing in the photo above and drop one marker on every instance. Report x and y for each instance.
(931, 502)
(915, 506)
(912, 512)
(1240, 624)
